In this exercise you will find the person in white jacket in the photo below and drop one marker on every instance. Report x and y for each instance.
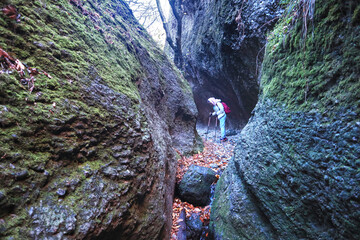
(221, 115)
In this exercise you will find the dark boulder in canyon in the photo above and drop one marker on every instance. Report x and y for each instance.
(195, 186)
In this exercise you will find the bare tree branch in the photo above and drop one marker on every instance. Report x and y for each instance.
(165, 25)
(147, 15)
(176, 6)
(145, 11)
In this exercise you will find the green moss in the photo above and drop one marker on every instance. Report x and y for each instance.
(16, 220)
(65, 28)
(78, 52)
(356, 16)
(302, 71)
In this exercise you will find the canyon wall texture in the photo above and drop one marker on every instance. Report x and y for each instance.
(223, 47)
(295, 172)
(89, 153)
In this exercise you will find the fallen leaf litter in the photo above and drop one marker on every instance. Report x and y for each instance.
(215, 156)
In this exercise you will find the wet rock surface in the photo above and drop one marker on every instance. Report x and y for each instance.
(194, 227)
(195, 186)
(295, 169)
(290, 178)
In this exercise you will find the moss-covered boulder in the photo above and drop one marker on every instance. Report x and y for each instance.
(89, 153)
(295, 173)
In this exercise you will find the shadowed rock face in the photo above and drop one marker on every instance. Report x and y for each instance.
(295, 172)
(223, 43)
(89, 153)
(195, 187)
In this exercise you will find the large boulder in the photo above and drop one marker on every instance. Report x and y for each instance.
(295, 173)
(88, 153)
(195, 186)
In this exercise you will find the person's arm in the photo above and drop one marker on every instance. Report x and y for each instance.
(216, 110)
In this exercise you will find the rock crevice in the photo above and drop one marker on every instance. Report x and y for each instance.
(223, 46)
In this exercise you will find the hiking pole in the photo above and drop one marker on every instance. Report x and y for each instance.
(215, 129)
(207, 131)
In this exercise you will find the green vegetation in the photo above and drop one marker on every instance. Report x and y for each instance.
(61, 40)
(322, 68)
(83, 45)
(72, 45)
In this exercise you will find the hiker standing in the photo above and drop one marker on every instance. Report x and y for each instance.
(221, 115)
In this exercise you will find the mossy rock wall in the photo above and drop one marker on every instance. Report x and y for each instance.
(90, 152)
(295, 172)
(223, 46)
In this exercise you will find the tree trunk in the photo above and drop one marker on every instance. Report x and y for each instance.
(178, 13)
(165, 25)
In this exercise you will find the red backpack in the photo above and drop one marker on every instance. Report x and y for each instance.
(226, 108)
